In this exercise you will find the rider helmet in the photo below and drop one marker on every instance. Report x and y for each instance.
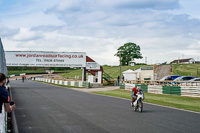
(139, 89)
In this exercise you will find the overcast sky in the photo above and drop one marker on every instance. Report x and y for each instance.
(164, 29)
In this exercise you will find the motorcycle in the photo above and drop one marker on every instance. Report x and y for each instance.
(138, 104)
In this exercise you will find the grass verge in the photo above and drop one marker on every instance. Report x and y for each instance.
(181, 102)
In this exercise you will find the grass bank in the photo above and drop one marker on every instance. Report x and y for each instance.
(180, 102)
(186, 69)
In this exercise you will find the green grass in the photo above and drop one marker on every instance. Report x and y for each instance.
(114, 71)
(73, 73)
(186, 69)
(187, 103)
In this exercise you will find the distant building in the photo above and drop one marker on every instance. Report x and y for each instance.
(184, 61)
(131, 63)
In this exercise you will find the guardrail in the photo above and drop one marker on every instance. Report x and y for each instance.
(191, 89)
(84, 84)
(3, 69)
(166, 83)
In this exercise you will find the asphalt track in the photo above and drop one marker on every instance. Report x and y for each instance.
(43, 108)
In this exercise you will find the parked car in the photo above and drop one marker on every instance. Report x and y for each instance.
(193, 83)
(183, 78)
(173, 77)
(195, 79)
(168, 78)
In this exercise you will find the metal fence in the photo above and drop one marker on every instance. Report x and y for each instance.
(3, 69)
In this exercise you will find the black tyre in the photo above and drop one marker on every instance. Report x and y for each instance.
(140, 104)
(135, 108)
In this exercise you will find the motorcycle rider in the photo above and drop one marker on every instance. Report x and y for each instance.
(134, 92)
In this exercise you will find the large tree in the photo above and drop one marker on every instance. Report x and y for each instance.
(128, 52)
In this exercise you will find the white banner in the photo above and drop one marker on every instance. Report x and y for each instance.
(45, 59)
(92, 65)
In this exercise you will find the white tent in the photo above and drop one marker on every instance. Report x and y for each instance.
(130, 75)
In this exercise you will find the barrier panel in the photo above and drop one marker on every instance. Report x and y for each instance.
(122, 85)
(129, 86)
(3, 69)
(193, 91)
(76, 84)
(86, 84)
(72, 83)
(173, 90)
(68, 83)
(60, 82)
(156, 89)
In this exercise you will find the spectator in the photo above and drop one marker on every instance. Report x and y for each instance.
(170, 78)
(4, 97)
(23, 78)
(118, 80)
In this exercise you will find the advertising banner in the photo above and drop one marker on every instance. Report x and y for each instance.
(45, 59)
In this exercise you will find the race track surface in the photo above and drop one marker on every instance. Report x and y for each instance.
(43, 108)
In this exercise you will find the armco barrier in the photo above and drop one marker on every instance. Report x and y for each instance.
(156, 89)
(3, 121)
(60, 82)
(72, 83)
(3, 69)
(122, 85)
(67, 83)
(76, 84)
(173, 90)
(192, 91)
(129, 86)
(86, 84)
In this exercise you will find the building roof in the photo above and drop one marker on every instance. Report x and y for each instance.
(182, 60)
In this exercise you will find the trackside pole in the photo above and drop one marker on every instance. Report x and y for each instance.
(84, 74)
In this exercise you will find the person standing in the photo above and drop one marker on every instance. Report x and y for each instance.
(4, 97)
(23, 78)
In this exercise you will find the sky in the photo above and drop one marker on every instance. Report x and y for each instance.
(165, 30)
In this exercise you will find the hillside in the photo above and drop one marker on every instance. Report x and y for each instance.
(114, 71)
(186, 69)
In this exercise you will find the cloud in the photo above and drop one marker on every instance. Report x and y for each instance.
(104, 5)
(99, 27)
(46, 28)
(26, 35)
(8, 32)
